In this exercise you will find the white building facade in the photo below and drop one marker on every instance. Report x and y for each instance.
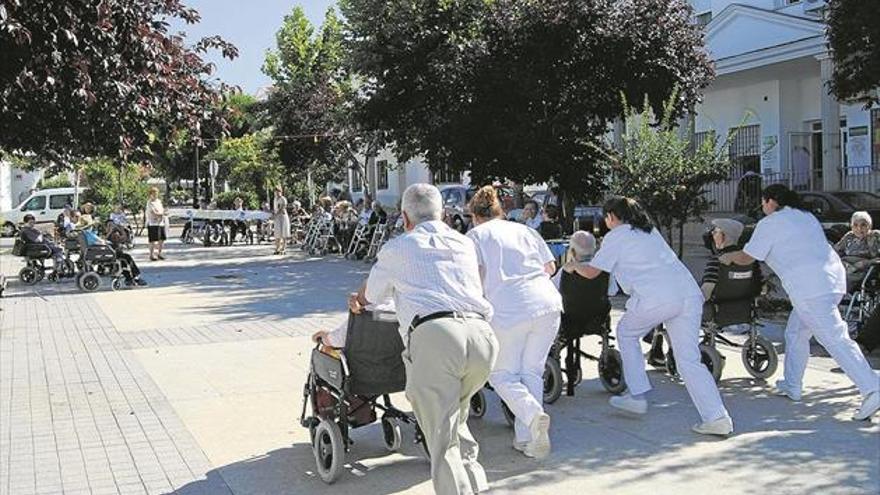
(15, 184)
(772, 69)
(387, 178)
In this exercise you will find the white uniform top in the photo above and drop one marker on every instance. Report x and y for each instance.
(429, 269)
(644, 266)
(793, 245)
(512, 258)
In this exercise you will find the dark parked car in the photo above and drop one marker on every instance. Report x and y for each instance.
(456, 199)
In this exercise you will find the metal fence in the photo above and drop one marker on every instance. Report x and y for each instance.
(742, 193)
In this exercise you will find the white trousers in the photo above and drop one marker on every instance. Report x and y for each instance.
(682, 321)
(820, 316)
(518, 375)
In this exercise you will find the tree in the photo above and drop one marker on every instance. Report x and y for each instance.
(665, 172)
(518, 89)
(854, 39)
(108, 181)
(96, 78)
(309, 106)
(249, 163)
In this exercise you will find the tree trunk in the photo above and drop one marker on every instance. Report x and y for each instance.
(680, 240)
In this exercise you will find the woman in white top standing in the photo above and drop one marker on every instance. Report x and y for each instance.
(792, 243)
(661, 290)
(155, 213)
(515, 266)
(282, 221)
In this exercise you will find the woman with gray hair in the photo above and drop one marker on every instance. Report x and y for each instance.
(858, 248)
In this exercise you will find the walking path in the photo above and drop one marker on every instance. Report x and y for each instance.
(194, 386)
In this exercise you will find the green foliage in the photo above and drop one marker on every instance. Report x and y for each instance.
(518, 89)
(108, 182)
(248, 163)
(95, 78)
(664, 171)
(61, 180)
(854, 39)
(226, 200)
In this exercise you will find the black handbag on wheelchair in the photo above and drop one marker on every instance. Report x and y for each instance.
(734, 295)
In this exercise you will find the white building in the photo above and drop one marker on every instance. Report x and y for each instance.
(772, 66)
(387, 178)
(15, 184)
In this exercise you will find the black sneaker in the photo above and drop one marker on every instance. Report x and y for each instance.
(139, 283)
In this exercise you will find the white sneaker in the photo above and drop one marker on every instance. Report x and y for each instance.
(784, 388)
(520, 446)
(539, 446)
(869, 406)
(627, 403)
(722, 426)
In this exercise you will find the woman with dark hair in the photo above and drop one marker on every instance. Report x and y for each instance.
(515, 267)
(661, 290)
(791, 241)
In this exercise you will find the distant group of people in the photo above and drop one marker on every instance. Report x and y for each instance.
(483, 307)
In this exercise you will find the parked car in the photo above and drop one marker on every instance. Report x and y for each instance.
(45, 205)
(457, 197)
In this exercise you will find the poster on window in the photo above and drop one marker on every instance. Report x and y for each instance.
(858, 148)
(770, 154)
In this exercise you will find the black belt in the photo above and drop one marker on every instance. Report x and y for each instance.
(418, 320)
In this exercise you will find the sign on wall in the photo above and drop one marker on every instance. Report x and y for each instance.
(770, 153)
(858, 147)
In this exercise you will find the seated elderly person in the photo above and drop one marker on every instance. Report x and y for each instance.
(549, 227)
(726, 234)
(130, 270)
(858, 248)
(579, 293)
(31, 235)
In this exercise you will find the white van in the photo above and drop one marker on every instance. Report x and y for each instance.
(45, 205)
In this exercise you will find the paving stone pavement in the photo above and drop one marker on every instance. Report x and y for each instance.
(100, 393)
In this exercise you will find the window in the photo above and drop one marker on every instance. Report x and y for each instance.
(704, 18)
(453, 197)
(36, 203)
(59, 201)
(357, 181)
(382, 174)
(445, 176)
(875, 138)
(745, 150)
(702, 137)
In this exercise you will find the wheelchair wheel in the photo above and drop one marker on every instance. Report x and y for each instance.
(713, 360)
(116, 284)
(611, 371)
(508, 414)
(552, 380)
(89, 282)
(478, 404)
(760, 358)
(329, 451)
(391, 433)
(28, 275)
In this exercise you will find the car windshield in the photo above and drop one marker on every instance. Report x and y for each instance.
(860, 200)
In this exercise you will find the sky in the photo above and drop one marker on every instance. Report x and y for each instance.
(251, 27)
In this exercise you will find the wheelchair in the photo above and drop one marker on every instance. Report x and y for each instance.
(345, 388)
(732, 303)
(35, 268)
(863, 299)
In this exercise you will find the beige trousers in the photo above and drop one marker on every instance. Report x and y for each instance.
(448, 360)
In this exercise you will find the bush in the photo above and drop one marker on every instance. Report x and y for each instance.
(225, 200)
(102, 177)
(56, 181)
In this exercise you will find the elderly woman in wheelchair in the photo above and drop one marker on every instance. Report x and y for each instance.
(859, 249)
(354, 367)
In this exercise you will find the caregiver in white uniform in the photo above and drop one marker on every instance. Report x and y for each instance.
(661, 290)
(792, 243)
(515, 267)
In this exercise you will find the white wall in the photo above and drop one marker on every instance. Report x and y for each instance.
(22, 182)
(5, 186)
(400, 176)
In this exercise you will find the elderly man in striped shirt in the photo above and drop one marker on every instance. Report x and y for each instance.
(433, 276)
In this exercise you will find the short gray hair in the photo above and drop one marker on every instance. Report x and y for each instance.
(422, 203)
(863, 216)
(582, 243)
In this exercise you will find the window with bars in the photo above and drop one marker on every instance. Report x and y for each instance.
(382, 174)
(446, 176)
(875, 138)
(357, 181)
(745, 150)
(701, 137)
